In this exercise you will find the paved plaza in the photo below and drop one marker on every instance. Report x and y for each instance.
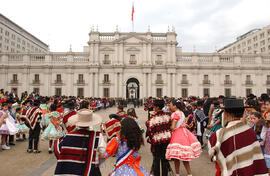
(17, 161)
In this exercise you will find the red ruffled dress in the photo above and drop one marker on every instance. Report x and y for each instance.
(184, 145)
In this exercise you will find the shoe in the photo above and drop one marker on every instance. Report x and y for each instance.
(20, 139)
(11, 143)
(29, 150)
(36, 151)
(5, 147)
(203, 146)
(50, 151)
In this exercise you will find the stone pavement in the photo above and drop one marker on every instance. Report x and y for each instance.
(17, 161)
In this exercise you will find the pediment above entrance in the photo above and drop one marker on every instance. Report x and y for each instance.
(133, 38)
(132, 49)
(106, 49)
(159, 49)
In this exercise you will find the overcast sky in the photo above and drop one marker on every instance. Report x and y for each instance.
(205, 24)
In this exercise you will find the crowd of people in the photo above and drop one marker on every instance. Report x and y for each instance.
(235, 131)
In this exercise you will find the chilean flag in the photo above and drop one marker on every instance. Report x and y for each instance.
(132, 14)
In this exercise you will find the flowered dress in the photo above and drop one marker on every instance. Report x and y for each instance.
(191, 124)
(183, 145)
(132, 165)
(53, 131)
(45, 115)
(21, 125)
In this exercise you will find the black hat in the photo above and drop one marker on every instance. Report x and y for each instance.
(115, 116)
(9, 101)
(232, 103)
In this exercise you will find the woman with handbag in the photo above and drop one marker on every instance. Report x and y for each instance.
(126, 146)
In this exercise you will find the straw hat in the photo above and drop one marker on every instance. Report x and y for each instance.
(84, 118)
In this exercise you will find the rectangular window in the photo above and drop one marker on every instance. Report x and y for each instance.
(249, 41)
(15, 78)
(36, 90)
(228, 92)
(13, 36)
(18, 46)
(205, 77)
(268, 31)
(262, 35)
(80, 77)
(239, 46)
(132, 59)
(106, 57)
(227, 77)
(248, 92)
(255, 45)
(106, 92)
(263, 49)
(184, 77)
(159, 57)
(12, 50)
(80, 92)
(58, 92)
(206, 91)
(262, 42)
(106, 78)
(23, 42)
(159, 77)
(255, 38)
(58, 78)
(6, 33)
(159, 92)
(248, 78)
(6, 40)
(36, 77)
(184, 92)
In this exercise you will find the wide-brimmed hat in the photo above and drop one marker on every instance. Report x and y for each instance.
(84, 118)
(233, 103)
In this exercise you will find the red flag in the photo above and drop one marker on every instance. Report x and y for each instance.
(132, 11)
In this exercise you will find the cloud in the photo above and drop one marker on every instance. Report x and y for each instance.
(205, 24)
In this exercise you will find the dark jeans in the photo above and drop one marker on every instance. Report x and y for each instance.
(34, 136)
(11, 139)
(159, 155)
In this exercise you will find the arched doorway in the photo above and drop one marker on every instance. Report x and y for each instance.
(132, 88)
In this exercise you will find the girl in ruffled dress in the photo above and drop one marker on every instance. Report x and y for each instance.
(54, 130)
(126, 146)
(45, 116)
(183, 146)
(20, 125)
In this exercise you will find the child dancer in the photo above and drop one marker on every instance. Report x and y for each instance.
(20, 125)
(53, 131)
(183, 146)
(126, 145)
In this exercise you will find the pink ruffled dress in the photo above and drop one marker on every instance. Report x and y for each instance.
(184, 145)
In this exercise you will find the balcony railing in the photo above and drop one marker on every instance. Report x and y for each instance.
(80, 82)
(227, 82)
(249, 82)
(158, 81)
(58, 82)
(206, 81)
(36, 82)
(184, 81)
(106, 61)
(106, 82)
(132, 62)
(159, 62)
(14, 82)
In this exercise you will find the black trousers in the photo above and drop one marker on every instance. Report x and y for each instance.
(34, 137)
(159, 156)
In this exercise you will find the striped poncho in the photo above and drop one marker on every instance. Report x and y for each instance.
(237, 150)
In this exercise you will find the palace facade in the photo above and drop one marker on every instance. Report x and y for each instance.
(135, 65)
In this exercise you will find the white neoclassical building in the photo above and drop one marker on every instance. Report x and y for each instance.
(134, 64)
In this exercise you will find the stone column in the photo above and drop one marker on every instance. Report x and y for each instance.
(121, 53)
(92, 53)
(115, 85)
(169, 87)
(96, 84)
(173, 54)
(96, 53)
(144, 53)
(149, 84)
(91, 83)
(173, 85)
(116, 56)
(144, 86)
(121, 85)
(149, 53)
(168, 53)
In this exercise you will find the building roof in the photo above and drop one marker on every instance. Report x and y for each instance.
(2, 16)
